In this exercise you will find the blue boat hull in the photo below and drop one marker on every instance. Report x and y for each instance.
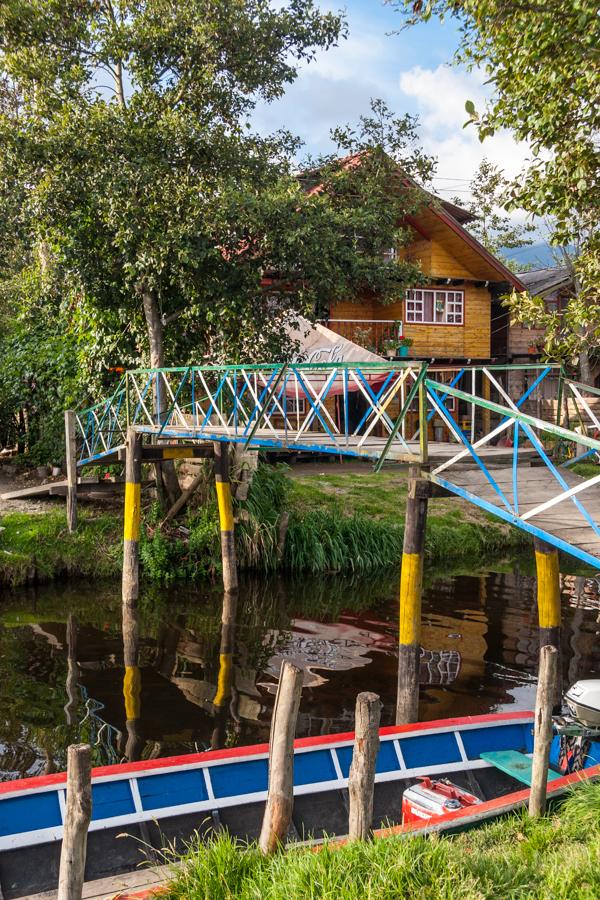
(164, 801)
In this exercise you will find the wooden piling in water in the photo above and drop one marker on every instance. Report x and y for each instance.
(77, 819)
(130, 590)
(411, 578)
(131, 520)
(542, 738)
(361, 782)
(72, 671)
(223, 486)
(280, 798)
(71, 463)
(548, 601)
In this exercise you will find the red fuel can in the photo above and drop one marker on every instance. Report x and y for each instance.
(432, 797)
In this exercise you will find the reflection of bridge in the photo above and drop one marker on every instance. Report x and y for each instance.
(505, 450)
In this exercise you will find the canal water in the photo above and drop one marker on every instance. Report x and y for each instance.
(207, 673)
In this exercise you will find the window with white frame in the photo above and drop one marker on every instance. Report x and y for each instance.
(433, 307)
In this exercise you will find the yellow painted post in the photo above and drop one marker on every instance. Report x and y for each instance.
(131, 523)
(130, 590)
(411, 579)
(548, 599)
(224, 690)
(223, 486)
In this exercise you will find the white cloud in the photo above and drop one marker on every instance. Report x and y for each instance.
(440, 95)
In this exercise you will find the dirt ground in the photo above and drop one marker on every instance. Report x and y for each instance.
(302, 466)
(9, 481)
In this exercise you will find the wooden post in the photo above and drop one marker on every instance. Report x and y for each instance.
(183, 498)
(548, 600)
(76, 823)
(223, 486)
(411, 578)
(71, 460)
(543, 729)
(485, 413)
(361, 782)
(130, 589)
(131, 524)
(280, 799)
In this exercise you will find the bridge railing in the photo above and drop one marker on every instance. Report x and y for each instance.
(532, 388)
(101, 428)
(355, 409)
(510, 498)
(578, 410)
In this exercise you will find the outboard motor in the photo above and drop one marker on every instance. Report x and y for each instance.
(583, 700)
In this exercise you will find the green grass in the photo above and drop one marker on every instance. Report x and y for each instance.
(585, 469)
(554, 857)
(351, 522)
(40, 548)
(346, 522)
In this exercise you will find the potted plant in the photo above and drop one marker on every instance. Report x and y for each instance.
(404, 346)
(390, 348)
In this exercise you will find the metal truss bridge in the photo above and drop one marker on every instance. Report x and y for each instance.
(502, 437)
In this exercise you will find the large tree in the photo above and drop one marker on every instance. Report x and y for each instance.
(541, 63)
(127, 145)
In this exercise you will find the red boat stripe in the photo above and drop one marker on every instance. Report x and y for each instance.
(60, 778)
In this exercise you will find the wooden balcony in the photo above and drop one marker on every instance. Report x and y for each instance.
(372, 334)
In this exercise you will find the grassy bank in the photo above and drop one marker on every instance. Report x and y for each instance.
(40, 548)
(348, 522)
(557, 857)
(336, 522)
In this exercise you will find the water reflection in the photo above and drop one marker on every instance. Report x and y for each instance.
(193, 669)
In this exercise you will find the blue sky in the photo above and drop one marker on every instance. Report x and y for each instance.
(412, 71)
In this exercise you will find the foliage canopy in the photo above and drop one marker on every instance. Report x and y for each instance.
(132, 178)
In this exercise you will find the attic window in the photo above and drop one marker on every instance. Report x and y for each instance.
(434, 307)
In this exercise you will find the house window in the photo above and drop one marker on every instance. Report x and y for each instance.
(556, 303)
(295, 406)
(435, 307)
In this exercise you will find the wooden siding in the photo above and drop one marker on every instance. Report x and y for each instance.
(470, 340)
(451, 255)
(442, 254)
(521, 338)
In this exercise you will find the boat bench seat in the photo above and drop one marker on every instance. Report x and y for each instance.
(517, 764)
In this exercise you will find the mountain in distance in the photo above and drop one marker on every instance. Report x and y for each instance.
(536, 256)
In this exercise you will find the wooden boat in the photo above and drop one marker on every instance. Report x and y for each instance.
(165, 800)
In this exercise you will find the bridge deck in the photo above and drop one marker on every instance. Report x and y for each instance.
(353, 445)
(536, 485)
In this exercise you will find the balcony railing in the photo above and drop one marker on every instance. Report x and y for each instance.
(372, 334)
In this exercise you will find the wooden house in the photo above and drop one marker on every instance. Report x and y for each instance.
(449, 319)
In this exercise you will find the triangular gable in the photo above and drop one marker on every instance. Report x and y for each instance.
(455, 253)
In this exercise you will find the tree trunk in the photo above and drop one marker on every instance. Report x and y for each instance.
(585, 369)
(167, 483)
